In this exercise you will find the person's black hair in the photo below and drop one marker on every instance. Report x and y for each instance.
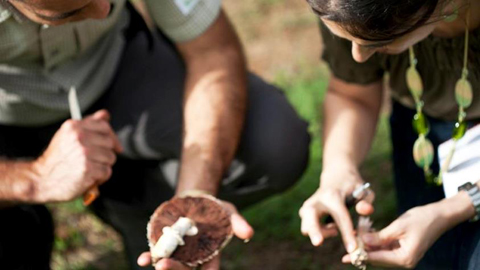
(376, 20)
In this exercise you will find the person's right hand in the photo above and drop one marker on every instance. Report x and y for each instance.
(329, 199)
(79, 156)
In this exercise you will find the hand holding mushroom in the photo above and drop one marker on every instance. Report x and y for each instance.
(199, 220)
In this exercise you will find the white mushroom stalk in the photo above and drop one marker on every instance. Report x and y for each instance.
(359, 256)
(173, 237)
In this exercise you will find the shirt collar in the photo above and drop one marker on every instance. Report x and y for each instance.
(7, 11)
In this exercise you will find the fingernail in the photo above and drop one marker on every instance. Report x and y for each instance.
(316, 240)
(351, 247)
(246, 240)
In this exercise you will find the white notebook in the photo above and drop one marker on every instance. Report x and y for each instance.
(465, 164)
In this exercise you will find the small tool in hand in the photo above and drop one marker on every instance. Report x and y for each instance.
(357, 195)
(76, 114)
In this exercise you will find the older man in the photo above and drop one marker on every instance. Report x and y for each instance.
(180, 95)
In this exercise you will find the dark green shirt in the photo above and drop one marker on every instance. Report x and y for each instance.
(440, 63)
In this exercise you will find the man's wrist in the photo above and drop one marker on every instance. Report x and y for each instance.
(23, 180)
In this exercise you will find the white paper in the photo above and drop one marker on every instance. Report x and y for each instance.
(186, 6)
(465, 164)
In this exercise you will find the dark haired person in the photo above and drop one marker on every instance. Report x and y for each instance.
(362, 41)
(179, 97)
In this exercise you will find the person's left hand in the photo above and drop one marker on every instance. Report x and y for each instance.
(241, 229)
(404, 242)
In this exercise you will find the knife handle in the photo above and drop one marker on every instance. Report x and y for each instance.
(90, 195)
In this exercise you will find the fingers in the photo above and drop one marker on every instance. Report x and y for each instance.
(240, 227)
(346, 258)
(169, 264)
(144, 259)
(102, 156)
(96, 139)
(214, 264)
(98, 122)
(311, 226)
(342, 218)
(387, 258)
(99, 172)
(364, 208)
(100, 115)
(390, 233)
(311, 213)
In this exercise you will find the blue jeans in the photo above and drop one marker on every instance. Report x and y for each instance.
(459, 248)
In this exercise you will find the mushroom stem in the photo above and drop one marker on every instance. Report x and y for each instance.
(173, 237)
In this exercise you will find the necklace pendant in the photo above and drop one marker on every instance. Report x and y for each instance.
(414, 83)
(459, 130)
(420, 124)
(463, 93)
(423, 152)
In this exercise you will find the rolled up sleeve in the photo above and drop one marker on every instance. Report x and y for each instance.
(183, 20)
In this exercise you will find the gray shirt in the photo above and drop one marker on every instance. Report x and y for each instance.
(38, 64)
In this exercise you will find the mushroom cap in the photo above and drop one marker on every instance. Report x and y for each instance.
(211, 219)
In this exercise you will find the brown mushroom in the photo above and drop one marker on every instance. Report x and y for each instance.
(211, 219)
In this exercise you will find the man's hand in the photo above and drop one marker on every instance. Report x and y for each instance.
(330, 199)
(80, 155)
(240, 227)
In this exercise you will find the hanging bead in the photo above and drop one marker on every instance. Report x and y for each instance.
(459, 130)
(423, 152)
(438, 181)
(420, 124)
(463, 93)
(429, 177)
(414, 82)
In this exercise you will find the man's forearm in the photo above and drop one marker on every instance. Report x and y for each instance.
(214, 111)
(17, 182)
(349, 126)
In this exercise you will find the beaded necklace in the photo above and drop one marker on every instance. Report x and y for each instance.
(423, 148)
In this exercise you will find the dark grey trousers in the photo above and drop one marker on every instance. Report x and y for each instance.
(145, 101)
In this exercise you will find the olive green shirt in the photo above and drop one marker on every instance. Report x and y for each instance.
(38, 64)
(440, 63)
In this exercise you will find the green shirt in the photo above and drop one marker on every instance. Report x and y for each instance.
(440, 63)
(38, 64)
